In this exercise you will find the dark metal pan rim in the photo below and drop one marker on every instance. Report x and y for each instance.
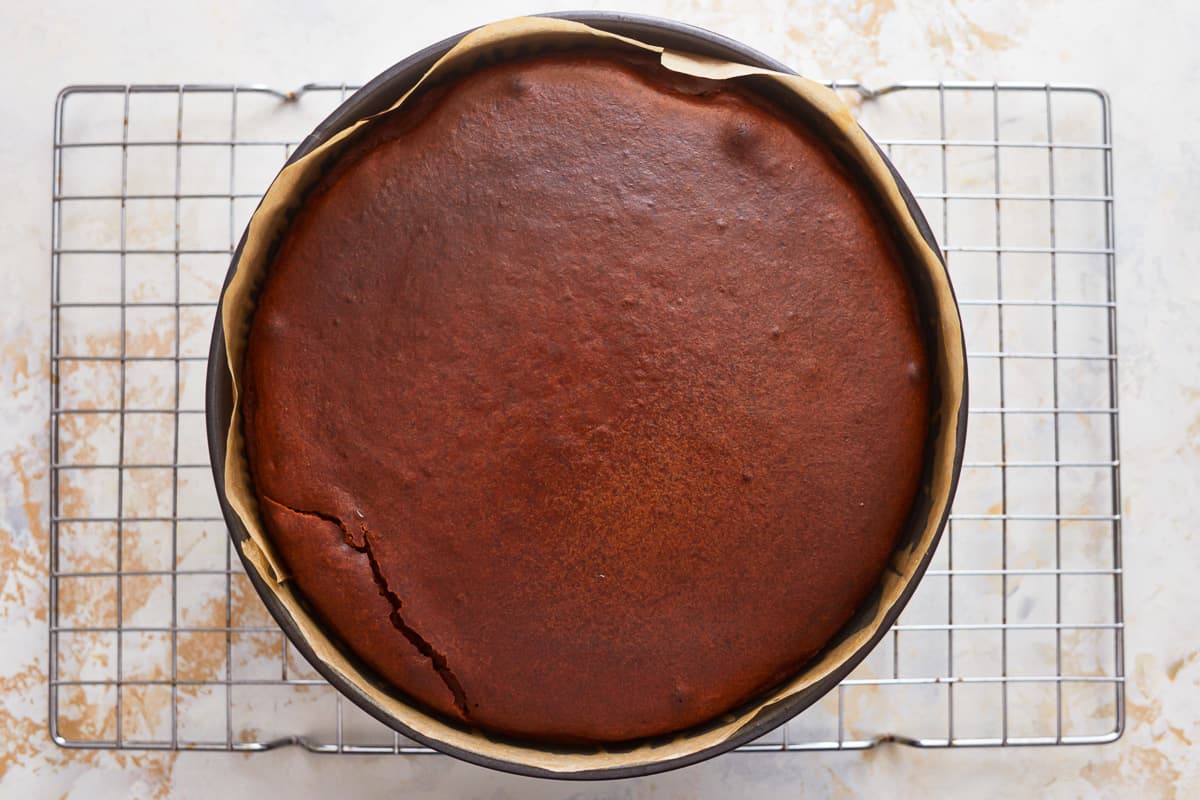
(375, 96)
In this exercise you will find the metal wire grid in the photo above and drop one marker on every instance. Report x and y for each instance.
(1014, 637)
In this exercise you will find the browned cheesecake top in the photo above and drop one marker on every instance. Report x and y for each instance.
(584, 402)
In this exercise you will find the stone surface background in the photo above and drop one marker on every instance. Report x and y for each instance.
(1143, 54)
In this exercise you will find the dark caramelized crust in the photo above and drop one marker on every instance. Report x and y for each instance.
(584, 404)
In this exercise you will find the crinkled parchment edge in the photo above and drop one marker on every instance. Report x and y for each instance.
(505, 40)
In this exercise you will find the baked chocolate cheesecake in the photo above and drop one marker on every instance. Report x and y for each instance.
(585, 401)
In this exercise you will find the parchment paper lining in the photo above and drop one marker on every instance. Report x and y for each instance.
(496, 43)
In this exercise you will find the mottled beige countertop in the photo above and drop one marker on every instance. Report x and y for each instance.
(1143, 54)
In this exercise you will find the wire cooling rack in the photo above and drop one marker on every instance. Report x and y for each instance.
(157, 639)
